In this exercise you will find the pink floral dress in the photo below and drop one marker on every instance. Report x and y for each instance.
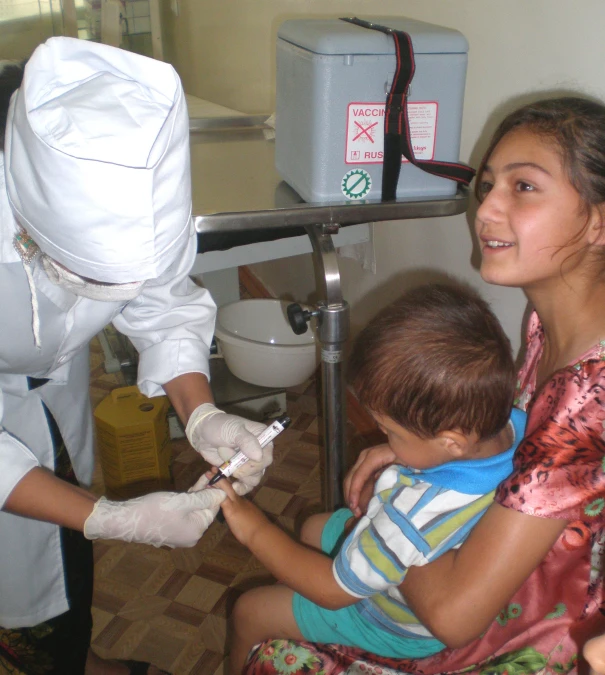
(559, 472)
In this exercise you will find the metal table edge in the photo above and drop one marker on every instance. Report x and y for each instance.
(337, 214)
(199, 125)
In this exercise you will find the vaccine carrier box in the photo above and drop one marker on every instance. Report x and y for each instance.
(331, 86)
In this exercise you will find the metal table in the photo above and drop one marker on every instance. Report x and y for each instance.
(236, 189)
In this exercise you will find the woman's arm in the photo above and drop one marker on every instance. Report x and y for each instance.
(160, 518)
(42, 496)
(29, 490)
(458, 595)
(186, 392)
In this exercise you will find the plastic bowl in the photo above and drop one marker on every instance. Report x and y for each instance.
(259, 345)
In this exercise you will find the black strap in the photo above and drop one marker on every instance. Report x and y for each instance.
(397, 141)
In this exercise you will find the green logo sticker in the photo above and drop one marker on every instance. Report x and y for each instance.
(356, 184)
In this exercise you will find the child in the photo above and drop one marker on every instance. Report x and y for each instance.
(435, 369)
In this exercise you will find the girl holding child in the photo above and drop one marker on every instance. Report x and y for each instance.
(524, 592)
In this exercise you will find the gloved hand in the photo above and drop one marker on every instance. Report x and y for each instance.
(217, 436)
(170, 519)
(244, 482)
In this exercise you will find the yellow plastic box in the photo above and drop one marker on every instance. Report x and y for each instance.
(132, 443)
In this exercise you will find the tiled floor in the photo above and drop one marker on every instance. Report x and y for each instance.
(171, 606)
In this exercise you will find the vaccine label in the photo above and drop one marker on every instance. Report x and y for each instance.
(365, 131)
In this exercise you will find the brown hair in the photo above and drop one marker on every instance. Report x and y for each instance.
(577, 128)
(436, 359)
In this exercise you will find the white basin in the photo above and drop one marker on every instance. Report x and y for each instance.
(260, 347)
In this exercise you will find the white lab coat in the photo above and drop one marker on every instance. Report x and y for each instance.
(171, 324)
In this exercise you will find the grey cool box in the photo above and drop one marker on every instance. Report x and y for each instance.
(332, 81)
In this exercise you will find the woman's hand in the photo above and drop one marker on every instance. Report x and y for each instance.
(245, 519)
(217, 436)
(173, 519)
(359, 481)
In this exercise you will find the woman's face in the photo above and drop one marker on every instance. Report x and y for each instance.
(531, 217)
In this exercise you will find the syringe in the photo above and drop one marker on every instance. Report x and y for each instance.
(229, 467)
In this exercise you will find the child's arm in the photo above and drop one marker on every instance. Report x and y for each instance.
(304, 570)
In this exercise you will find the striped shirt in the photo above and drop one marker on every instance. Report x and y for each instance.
(414, 517)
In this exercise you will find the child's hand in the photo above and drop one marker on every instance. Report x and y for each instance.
(243, 517)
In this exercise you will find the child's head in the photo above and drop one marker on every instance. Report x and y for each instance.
(435, 361)
(541, 188)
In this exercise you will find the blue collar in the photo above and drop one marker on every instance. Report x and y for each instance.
(475, 476)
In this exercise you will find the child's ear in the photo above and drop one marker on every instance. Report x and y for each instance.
(455, 443)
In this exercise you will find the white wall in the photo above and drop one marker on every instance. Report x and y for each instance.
(225, 52)
(19, 37)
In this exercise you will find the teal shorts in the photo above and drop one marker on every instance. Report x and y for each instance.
(347, 626)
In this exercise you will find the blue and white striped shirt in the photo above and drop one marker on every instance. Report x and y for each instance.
(414, 517)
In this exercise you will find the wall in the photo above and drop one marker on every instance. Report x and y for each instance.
(225, 52)
(19, 38)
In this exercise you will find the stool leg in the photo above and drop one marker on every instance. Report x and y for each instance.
(333, 331)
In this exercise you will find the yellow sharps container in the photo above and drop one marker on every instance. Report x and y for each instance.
(132, 443)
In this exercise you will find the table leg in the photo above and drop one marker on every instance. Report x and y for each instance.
(333, 331)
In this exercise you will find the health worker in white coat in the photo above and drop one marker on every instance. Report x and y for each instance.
(95, 228)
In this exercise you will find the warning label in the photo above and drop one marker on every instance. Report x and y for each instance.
(365, 131)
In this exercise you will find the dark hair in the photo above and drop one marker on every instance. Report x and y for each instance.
(11, 76)
(576, 126)
(436, 359)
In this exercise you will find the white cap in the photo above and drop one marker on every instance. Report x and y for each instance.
(97, 160)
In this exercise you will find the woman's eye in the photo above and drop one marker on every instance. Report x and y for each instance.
(522, 186)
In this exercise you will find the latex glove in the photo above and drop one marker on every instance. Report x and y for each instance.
(173, 519)
(217, 436)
